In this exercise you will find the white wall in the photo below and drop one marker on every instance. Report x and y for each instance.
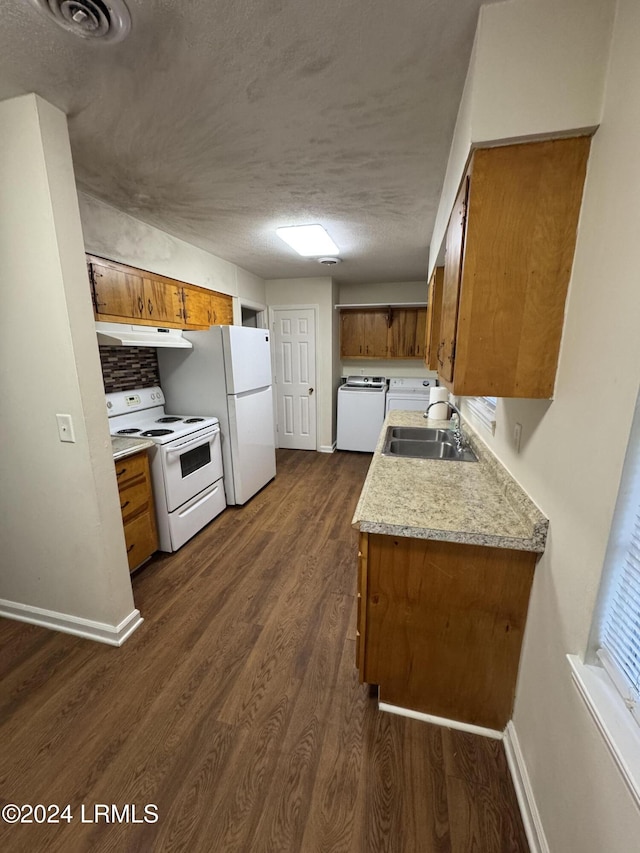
(537, 68)
(61, 539)
(583, 801)
(110, 233)
(318, 291)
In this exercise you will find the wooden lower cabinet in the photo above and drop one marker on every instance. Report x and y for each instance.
(440, 625)
(136, 505)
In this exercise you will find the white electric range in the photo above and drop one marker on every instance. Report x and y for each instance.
(185, 462)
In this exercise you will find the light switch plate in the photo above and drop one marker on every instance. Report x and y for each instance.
(65, 428)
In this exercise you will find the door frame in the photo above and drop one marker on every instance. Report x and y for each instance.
(316, 312)
(259, 307)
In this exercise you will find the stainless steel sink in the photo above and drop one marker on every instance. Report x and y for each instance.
(425, 443)
(421, 433)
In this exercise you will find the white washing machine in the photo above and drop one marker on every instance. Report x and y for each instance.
(409, 394)
(361, 411)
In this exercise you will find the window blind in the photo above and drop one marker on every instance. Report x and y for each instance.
(618, 635)
(620, 638)
(484, 409)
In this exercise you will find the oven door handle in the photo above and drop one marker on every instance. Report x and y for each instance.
(176, 451)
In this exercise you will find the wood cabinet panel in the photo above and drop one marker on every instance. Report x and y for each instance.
(421, 332)
(508, 266)
(141, 539)
(451, 284)
(197, 306)
(221, 310)
(402, 332)
(126, 294)
(443, 625)
(163, 301)
(434, 314)
(117, 293)
(376, 334)
(382, 332)
(137, 507)
(351, 334)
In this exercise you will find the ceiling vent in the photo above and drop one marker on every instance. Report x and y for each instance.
(106, 20)
(329, 262)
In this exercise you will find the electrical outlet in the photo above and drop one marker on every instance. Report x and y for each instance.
(65, 428)
(517, 435)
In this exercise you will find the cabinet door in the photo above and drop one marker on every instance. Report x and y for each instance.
(445, 354)
(162, 301)
(117, 293)
(221, 310)
(376, 334)
(352, 334)
(421, 332)
(197, 306)
(403, 333)
(434, 314)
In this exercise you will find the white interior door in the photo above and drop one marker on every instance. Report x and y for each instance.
(294, 339)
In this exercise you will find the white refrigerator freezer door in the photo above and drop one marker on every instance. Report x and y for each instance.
(252, 442)
(247, 358)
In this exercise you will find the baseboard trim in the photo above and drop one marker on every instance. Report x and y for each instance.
(327, 448)
(524, 791)
(101, 632)
(440, 721)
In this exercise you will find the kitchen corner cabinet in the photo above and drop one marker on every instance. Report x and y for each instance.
(124, 294)
(136, 505)
(509, 252)
(440, 625)
(432, 320)
(382, 333)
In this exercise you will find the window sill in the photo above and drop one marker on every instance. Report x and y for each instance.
(620, 731)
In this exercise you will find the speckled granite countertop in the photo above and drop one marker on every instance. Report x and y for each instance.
(128, 446)
(475, 503)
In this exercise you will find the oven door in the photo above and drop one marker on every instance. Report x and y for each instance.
(191, 464)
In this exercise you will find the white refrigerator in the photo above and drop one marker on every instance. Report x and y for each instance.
(228, 374)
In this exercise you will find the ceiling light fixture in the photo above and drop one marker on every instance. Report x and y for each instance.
(106, 20)
(308, 240)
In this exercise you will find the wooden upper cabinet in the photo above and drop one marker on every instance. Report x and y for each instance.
(507, 268)
(351, 334)
(402, 333)
(421, 332)
(376, 333)
(126, 294)
(382, 332)
(163, 301)
(432, 321)
(445, 352)
(197, 306)
(221, 309)
(117, 293)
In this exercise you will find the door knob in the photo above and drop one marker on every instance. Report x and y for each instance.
(310, 391)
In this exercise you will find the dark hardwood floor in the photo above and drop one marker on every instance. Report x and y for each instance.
(236, 709)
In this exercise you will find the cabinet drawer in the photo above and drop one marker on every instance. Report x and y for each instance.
(134, 498)
(131, 468)
(140, 536)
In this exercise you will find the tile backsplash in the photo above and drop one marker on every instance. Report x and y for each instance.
(124, 368)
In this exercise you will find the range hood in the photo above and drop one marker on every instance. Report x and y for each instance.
(127, 335)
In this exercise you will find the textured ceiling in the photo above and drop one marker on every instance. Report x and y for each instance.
(218, 122)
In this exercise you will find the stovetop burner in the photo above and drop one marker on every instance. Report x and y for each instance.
(151, 433)
(169, 419)
(128, 431)
(193, 420)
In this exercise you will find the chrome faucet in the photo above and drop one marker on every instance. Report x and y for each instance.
(457, 432)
